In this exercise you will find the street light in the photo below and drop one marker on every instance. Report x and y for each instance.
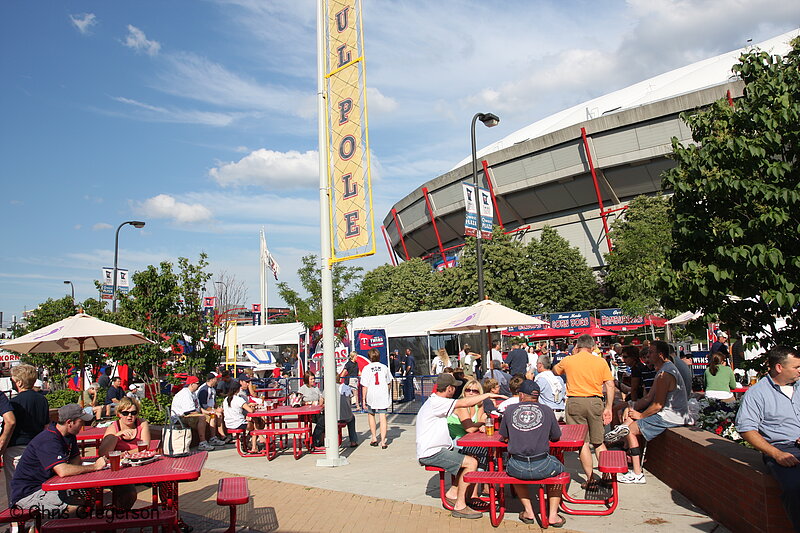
(138, 224)
(72, 287)
(490, 121)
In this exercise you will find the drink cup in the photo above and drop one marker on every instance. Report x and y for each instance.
(114, 458)
(141, 445)
(490, 430)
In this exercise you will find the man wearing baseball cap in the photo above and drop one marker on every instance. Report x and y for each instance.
(56, 447)
(434, 445)
(186, 406)
(529, 426)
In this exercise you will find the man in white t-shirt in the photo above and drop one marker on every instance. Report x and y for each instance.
(375, 381)
(435, 447)
(495, 354)
(186, 406)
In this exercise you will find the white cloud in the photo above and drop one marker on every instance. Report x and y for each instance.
(137, 40)
(270, 169)
(101, 226)
(191, 76)
(166, 206)
(377, 102)
(153, 113)
(77, 227)
(83, 22)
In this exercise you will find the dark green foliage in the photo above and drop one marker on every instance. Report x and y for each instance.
(642, 239)
(737, 202)
(60, 398)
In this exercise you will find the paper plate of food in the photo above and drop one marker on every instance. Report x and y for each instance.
(141, 458)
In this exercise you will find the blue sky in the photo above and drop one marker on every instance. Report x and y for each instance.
(199, 116)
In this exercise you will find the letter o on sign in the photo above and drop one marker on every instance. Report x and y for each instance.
(347, 147)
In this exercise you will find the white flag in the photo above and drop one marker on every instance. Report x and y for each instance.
(267, 259)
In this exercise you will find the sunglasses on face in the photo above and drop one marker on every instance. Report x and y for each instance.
(476, 391)
(129, 413)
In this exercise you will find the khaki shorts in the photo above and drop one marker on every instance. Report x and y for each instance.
(190, 421)
(587, 411)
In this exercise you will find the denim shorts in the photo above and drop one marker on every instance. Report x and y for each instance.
(372, 411)
(543, 468)
(449, 460)
(653, 426)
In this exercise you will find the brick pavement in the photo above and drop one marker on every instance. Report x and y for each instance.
(286, 507)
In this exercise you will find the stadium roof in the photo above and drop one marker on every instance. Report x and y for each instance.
(699, 75)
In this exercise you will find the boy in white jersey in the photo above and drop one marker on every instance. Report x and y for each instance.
(375, 381)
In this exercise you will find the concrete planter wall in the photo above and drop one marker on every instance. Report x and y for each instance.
(725, 479)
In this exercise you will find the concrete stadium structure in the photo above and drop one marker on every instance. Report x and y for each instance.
(541, 175)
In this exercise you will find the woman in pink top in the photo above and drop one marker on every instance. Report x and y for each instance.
(125, 432)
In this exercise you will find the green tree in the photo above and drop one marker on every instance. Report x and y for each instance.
(347, 301)
(736, 203)
(166, 306)
(409, 286)
(642, 239)
(503, 267)
(556, 277)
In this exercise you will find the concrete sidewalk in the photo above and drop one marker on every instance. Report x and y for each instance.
(388, 490)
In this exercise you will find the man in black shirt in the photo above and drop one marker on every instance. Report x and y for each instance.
(114, 395)
(560, 354)
(529, 427)
(517, 359)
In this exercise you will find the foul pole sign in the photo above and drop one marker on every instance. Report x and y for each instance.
(352, 226)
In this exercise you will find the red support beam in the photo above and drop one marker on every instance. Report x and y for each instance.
(596, 187)
(491, 193)
(400, 233)
(388, 246)
(435, 228)
(730, 99)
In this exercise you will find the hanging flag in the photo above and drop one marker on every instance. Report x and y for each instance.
(487, 213)
(352, 226)
(470, 210)
(267, 259)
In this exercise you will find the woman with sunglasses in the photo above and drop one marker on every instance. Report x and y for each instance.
(124, 435)
(469, 420)
(127, 430)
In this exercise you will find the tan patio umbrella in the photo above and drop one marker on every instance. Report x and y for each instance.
(76, 334)
(487, 315)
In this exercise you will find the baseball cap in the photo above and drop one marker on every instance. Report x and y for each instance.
(73, 411)
(446, 380)
(133, 387)
(722, 334)
(192, 379)
(529, 387)
(211, 375)
(94, 385)
(38, 383)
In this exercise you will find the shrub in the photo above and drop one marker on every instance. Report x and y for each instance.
(62, 397)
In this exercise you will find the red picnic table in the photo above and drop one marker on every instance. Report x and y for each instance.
(90, 437)
(164, 473)
(277, 420)
(572, 439)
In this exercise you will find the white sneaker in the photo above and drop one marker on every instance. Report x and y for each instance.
(618, 433)
(631, 477)
(214, 441)
(205, 447)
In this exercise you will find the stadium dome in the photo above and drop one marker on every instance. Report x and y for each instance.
(541, 174)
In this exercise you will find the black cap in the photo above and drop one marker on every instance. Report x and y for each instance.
(529, 387)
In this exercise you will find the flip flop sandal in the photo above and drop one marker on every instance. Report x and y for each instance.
(559, 524)
(373, 443)
(526, 520)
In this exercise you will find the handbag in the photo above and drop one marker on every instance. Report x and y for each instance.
(177, 437)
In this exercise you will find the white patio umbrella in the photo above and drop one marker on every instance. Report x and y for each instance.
(486, 314)
(76, 334)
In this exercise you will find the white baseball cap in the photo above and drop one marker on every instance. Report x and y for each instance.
(38, 383)
(133, 387)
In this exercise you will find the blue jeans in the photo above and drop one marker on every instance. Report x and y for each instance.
(543, 468)
(789, 481)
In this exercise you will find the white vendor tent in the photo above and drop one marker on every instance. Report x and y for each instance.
(405, 324)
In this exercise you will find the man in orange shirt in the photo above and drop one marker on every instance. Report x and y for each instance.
(586, 374)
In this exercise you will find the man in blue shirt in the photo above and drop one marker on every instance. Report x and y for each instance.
(517, 359)
(114, 395)
(769, 419)
(54, 451)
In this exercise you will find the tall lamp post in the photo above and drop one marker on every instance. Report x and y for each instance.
(72, 288)
(490, 121)
(136, 224)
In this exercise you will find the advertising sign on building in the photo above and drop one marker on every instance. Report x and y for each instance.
(616, 317)
(367, 339)
(570, 320)
(517, 329)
